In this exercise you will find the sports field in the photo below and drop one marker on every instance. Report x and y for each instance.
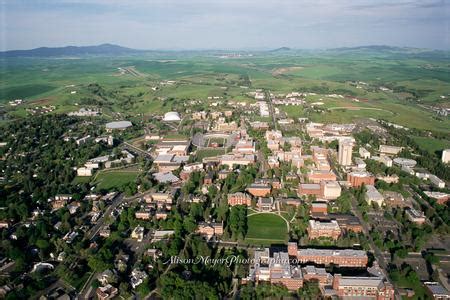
(115, 178)
(202, 153)
(266, 229)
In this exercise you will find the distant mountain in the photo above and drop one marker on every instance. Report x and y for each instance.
(282, 49)
(101, 50)
(371, 48)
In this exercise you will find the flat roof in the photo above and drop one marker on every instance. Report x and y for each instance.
(118, 124)
(332, 252)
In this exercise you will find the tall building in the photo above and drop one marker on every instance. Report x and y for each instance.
(446, 156)
(345, 152)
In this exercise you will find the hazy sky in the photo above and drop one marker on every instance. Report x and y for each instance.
(224, 24)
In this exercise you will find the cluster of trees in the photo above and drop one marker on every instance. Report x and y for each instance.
(343, 202)
(237, 222)
(40, 163)
(407, 277)
(193, 184)
(367, 137)
(439, 214)
(431, 162)
(238, 181)
(200, 280)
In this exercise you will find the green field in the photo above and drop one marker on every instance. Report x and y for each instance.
(266, 229)
(432, 145)
(81, 179)
(414, 80)
(202, 153)
(114, 179)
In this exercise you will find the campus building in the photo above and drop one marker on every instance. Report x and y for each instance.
(341, 257)
(259, 189)
(345, 152)
(362, 287)
(358, 178)
(275, 269)
(317, 229)
(239, 199)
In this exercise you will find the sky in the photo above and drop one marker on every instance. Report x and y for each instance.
(224, 24)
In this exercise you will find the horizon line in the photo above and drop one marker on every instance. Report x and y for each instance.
(265, 48)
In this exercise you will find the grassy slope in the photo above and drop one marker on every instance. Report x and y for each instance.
(201, 77)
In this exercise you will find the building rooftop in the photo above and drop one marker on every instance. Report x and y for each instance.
(118, 125)
(332, 252)
(360, 281)
(373, 193)
(310, 186)
(318, 225)
(437, 289)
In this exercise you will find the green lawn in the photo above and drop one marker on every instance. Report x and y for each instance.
(430, 144)
(266, 229)
(202, 153)
(117, 178)
(81, 179)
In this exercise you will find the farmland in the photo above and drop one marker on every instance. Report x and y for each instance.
(166, 80)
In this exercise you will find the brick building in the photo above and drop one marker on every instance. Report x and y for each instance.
(276, 269)
(317, 176)
(259, 189)
(318, 208)
(358, 178)
(342, 257)
(317, 229)
(239, 199)
(362, 287)
(347, 222)
(313, 189)
(312, 273)
(210, 229)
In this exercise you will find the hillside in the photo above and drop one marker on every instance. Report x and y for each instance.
(104, 49)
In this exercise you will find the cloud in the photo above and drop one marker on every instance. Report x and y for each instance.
(224, 24)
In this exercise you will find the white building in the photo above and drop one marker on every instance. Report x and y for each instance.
(373, 195)
(345, 152)
(390, 149)
(383, 159)
(446, 156)
(415, 216)
(171, 116)
(331, 190)
(364, 153)
(437, 181)
(360, 164)
(138, 233)
(83, 171)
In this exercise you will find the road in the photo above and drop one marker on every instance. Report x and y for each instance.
(85, 292)
(90, 234)
(377, 253)
(154, 291)
(271, 109)
(136, 149)
(412, 192)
